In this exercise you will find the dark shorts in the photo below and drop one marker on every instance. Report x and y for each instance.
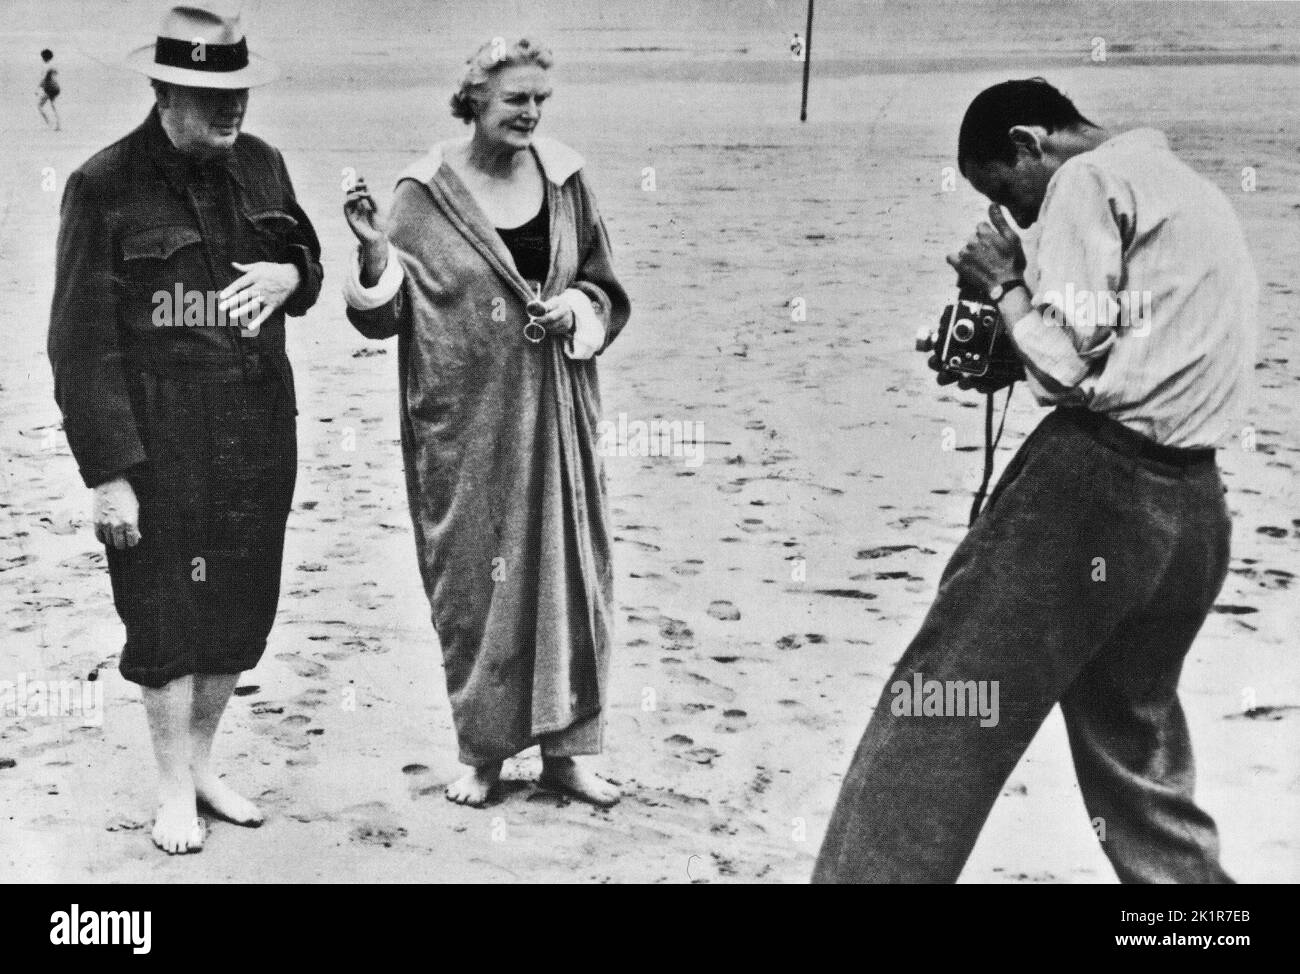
(199, 593)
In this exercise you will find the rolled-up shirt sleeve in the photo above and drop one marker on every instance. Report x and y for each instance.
(83, 345)
(1080, 273)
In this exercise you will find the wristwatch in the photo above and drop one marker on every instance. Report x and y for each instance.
(997, 292)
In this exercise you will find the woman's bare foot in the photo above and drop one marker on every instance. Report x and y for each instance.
(564, 775)
(226, 802)
(177, 829)
(474, 787)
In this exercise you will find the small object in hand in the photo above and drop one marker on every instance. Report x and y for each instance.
(533, 331)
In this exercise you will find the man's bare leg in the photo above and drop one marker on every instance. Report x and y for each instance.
(474, 787)
(565, 774)
(177, 827)
(211, 694)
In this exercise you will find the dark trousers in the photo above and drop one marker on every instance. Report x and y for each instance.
(1084, 581)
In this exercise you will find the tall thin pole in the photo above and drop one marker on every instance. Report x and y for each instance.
(807, 64)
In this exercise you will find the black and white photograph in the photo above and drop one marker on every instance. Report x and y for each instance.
(660, 442)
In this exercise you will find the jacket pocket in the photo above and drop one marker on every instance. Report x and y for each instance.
(158, 243)
(161, 257)
(274, 228)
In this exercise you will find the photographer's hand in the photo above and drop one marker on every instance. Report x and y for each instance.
(992, 255)
(946, 377)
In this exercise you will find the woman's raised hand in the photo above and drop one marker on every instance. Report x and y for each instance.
(367, 224)
(363, 214)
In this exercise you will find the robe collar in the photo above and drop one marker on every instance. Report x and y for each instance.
(557, 160)
(558, 163)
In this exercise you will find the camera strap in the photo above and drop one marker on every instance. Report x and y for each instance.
(990, 448)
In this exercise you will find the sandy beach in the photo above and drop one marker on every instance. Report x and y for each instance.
(764, 592)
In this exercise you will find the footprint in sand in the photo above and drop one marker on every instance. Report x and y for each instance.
(676, 633)
(723, 610)
(890, 549)
(288, 731)
(732, 721)
(420, 782)
(1266, 713)
(702, 755)
(305, 668)
(373, 823)
(311, 698)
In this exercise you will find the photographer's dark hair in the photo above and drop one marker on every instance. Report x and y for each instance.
(47, 55)
(995, 111)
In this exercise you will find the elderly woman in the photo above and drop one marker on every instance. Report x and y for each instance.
(495, 274)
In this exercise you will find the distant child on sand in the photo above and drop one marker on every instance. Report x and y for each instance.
(48, 89)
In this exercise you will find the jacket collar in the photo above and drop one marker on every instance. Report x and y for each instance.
(557, 160)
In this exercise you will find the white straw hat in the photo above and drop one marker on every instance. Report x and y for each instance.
(198, 48)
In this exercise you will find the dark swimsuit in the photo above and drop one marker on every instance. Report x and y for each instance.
(530, 245)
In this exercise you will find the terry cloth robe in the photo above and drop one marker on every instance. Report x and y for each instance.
(499, 435)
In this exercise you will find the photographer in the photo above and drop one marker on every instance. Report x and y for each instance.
(1105, 543)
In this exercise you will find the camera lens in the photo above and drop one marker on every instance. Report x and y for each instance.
(963, 330)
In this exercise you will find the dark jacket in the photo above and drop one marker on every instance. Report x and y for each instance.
(140, 220)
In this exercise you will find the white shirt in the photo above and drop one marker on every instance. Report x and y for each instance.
(1144, 294)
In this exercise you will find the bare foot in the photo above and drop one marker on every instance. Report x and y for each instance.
(177, 829)
(226, 802)
(564, 775)
(474, 787)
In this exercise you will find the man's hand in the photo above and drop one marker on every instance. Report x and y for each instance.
(253, 297)
(992, 256)
(116, 514)
(946, 377)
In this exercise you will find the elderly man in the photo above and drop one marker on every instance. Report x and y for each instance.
(181, 250)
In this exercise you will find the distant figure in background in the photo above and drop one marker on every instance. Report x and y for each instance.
(796, 47)
(47, 90)
(496, 276)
